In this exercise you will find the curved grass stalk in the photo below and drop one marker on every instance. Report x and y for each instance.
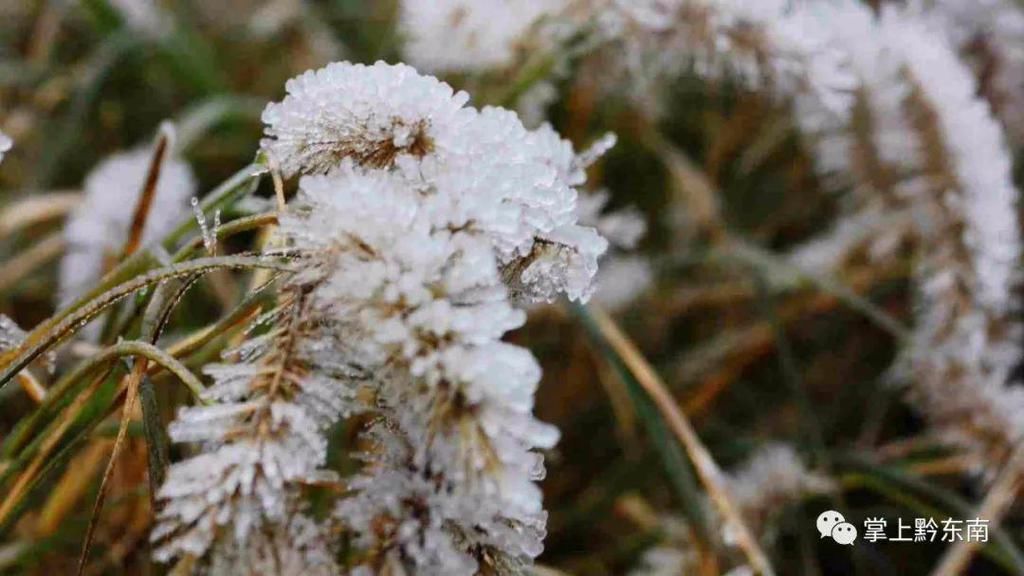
(131, 348)
(707, 469)
(53, 331)
(155, 319)
(225, 231)
(243, 311)
(927, 498)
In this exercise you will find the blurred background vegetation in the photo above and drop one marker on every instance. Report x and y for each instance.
(753, 351)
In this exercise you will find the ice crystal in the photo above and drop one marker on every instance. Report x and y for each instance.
(371, 114)
(99, 226)
(469, 35)
(417, 289)
(518, 186)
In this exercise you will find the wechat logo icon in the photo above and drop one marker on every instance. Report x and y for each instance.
(832, 524)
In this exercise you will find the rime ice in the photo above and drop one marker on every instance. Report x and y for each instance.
(421, 223)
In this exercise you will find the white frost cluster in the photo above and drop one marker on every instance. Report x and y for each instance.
(11, 335)
(144, 16)
(297, 545)
(990, 35)
(5, 145)
(469, 35)
(371, 114)
(97, 230)
(519, 186)
(770, 479)
(263, 439)
(420, 223)
(963, 207)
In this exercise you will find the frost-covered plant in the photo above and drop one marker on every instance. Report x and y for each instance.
(773, 44)
(965, 343)
(470, 35)
(894, 114)
(98, 228)
(418, 225)
(371, 114)
(262, 438)
(390, 117)
(909, 119)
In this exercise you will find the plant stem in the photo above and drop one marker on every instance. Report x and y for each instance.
(707, 469)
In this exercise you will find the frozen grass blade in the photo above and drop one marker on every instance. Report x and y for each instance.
(51, 333)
